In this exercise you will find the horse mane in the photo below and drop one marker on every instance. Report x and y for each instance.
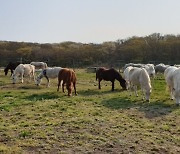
(118, 75)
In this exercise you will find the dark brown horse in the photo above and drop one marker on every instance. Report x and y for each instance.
(69, 78)
(110, 75)
(11, 66)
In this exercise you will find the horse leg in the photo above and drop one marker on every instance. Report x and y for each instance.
(130, 88)
(30, 77)
(22, 78)
(59, 82)
(171, 92)
(68, 86)
(74, 85)
(33, 74)
(28, 81)
(112, 85)
(47, 80)
(63, 86)
(135, 90)
(142, 93)
(99, 85)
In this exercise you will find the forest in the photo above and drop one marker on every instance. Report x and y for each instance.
(154, 48)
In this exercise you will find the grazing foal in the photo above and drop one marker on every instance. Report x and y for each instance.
(110, 75)
(69, 78)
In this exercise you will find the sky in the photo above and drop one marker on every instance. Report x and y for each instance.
(86, 21)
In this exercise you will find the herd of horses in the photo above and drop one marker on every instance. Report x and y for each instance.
(134, 76)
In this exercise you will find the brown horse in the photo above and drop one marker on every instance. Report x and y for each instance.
(110, 75)
(68, 77)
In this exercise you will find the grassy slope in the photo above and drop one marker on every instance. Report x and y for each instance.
(39, 119)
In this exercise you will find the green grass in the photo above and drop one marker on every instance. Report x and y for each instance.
(41, 120)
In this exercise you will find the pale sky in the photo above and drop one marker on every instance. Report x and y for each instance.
(86, 21)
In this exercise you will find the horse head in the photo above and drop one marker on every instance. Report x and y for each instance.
(6, 71)
(147, 94)
(123, 84)
(38, 80)
(14, 78)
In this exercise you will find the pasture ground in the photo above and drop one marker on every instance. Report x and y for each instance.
(41, 120)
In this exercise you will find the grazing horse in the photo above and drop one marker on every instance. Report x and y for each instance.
(139, 76)
(110, 75)
(50, 72)
(168, 74)
(176, 88)
(68, 77)
(23, 70)
(126, 75)
(39, 65)
(11, 66)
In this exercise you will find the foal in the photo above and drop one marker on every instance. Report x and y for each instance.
(69, 78)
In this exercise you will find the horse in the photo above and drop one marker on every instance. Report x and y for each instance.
(150, 69)
(176, 86)
(39, 65)
(50, 72)
(110, 75)
(23, 70)
(168, 75)
(126, 75)
(160, 68)
(139, 76)
(68, 77)
(11, 66)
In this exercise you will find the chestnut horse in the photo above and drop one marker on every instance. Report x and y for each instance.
(110, 75)
(68, 77)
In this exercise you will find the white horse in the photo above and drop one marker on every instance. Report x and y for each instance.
(126, 75)
(176, 87)
(50, 72)
(39, 65)
(23, 70)
(139, 76)
(168, 74)
(150, 69)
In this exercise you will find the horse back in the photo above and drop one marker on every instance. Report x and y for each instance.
(107, 74)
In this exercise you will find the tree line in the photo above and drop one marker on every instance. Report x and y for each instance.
(151, 48)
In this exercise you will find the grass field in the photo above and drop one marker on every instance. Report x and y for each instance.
(41, 120)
